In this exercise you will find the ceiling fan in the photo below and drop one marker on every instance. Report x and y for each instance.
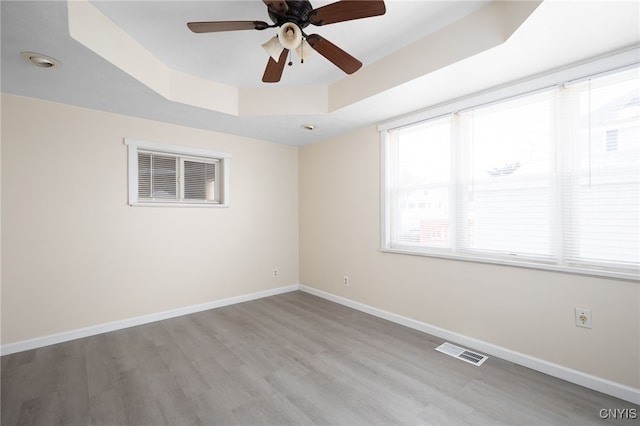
(292, 16)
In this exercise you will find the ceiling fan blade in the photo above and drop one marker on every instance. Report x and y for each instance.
(273, 72)
(346, 10)
(333, 53)
(278, 6)
(214, 27)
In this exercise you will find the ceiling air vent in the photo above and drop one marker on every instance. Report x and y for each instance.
(462, 354)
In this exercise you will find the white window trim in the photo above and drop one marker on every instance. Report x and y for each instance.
(567, 76)
(135, 145)
(612, 63)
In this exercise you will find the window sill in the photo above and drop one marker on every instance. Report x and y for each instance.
(160, 204)
(618, 275)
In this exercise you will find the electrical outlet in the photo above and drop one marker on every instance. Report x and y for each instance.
(346, 281)
(275, 273)
(583, 317)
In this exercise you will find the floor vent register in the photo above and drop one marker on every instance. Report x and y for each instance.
(462, 354)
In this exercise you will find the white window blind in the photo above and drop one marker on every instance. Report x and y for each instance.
(157, 176)
(199, 180)
(549, 179)
(603, 177)
(507, 193)
(174, 175)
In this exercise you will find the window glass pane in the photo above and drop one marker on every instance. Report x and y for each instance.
(508, 197)
(422, 157)
(199, 180)
(603, 217)
(164, 177)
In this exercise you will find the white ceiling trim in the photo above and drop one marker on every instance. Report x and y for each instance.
(482, 30)
(90, 27)
(288, 100)
(556, 35)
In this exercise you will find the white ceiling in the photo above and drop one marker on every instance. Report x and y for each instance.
(237, 58)
(556, 34)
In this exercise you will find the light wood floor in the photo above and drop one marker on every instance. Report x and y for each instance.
(289, 359)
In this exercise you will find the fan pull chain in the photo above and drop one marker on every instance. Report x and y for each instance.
(290, 61)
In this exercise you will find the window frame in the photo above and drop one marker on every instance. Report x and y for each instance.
(182, 153)
(614, 63)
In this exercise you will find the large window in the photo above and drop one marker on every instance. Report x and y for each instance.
(548, 179)
(172, 175)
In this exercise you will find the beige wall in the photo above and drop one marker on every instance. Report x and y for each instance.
(76, 255)
(527, 311)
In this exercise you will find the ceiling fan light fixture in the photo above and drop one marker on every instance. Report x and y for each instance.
(273, 48)
(304, 51)
(290, 36)
(291, 17)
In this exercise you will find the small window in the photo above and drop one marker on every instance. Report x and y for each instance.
(174, 175)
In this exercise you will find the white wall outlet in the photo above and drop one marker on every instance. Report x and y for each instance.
(583, 317)
(346, 281)
(275, 273)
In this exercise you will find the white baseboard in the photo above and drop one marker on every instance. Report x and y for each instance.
(589, 381)
(52, 339)
(599, 384)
